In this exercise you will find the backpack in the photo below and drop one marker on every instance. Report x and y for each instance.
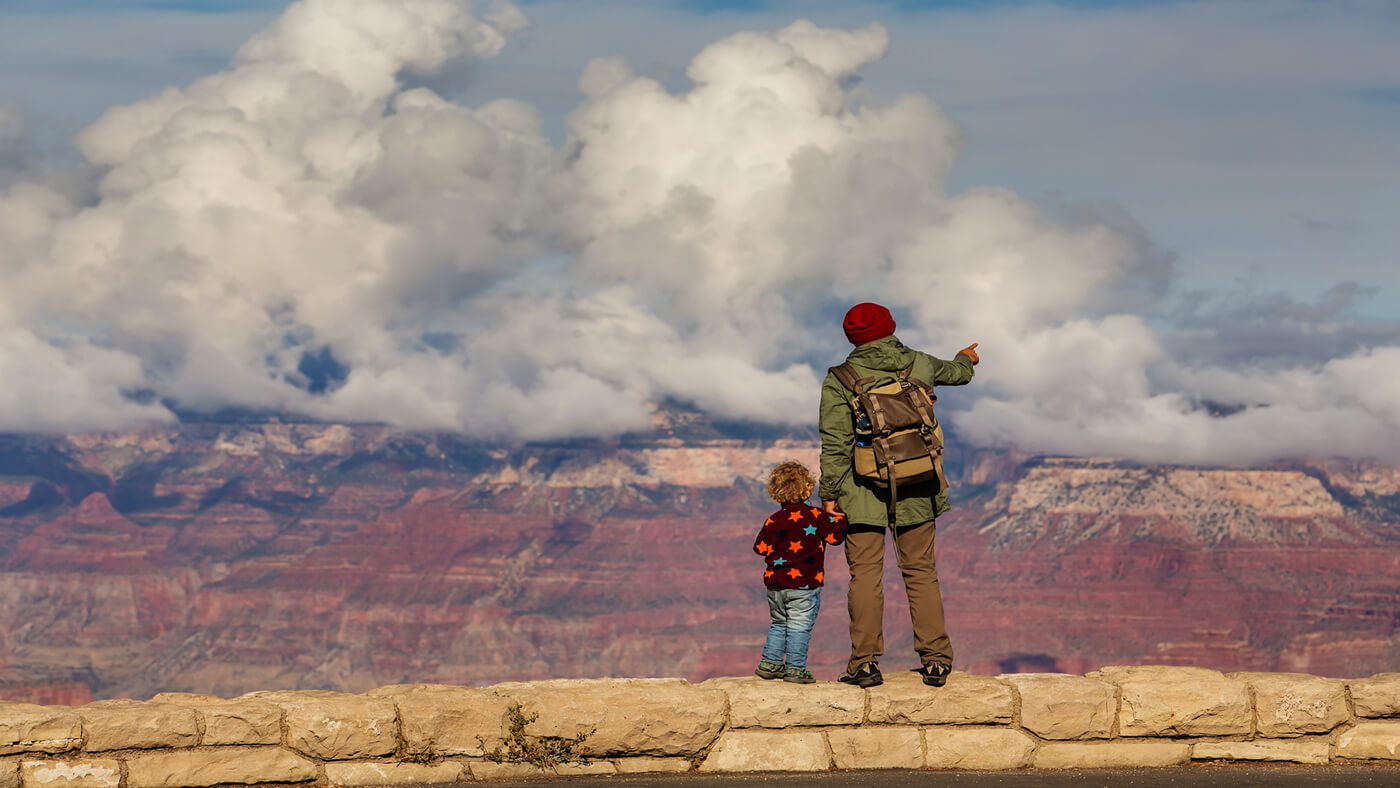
(905, 441)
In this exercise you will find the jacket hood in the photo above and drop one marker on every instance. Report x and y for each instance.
(886, 355)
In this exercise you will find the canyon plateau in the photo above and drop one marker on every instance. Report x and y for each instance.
(229, 556)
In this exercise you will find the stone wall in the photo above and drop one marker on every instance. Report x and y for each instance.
(1114, 717)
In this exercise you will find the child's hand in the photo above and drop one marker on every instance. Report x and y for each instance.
(833, 510)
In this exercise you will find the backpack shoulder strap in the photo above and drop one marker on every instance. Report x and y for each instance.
(846, 374)
(907, 375)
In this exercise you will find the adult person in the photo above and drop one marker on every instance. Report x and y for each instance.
(870, 327)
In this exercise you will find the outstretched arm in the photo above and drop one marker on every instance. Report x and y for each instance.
(956, 372)
(833, 527)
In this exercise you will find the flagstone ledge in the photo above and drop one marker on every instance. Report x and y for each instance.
(422, 734)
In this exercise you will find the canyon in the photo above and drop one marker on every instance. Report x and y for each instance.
(255, 553)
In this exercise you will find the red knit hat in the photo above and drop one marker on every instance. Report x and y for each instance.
(867, 322)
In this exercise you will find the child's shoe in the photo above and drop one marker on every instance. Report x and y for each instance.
(769, 670)
(799, 676)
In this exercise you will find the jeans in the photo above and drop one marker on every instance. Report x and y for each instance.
(793, 611)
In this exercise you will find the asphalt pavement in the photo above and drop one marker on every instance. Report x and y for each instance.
(1235, 776)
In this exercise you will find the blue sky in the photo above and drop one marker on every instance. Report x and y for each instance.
(1255, 142)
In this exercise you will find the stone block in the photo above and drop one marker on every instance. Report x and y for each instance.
(626, 716)
(445, 720)
(756, 750)
(218, 765)
(229, 722)
(1292, 704)
(1377, 696)
(1207, 707)
(1371, 741)
(1117, 674)
(335, 725)
(877, 748)
(242, 722)
(1060, 706)
(965, 700)
(486, 770)
(133, 725)
(394, 690)
(977, 748)
(652, 765)
(755, 703)
(1295, 751)
(1110, 754)
(71, 774)
(25, 728)
(9, 773)
(382, 773)
(193, 699)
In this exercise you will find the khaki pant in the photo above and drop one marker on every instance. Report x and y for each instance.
(865, 554)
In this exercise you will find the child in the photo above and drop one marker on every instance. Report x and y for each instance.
(793, 541)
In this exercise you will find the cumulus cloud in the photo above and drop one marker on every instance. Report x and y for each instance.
(309, 231)
(298, 203)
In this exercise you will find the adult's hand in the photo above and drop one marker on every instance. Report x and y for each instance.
(832, 509)
(971, 352)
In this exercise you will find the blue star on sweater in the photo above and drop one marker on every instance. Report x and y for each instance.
(809, 530)
(780, 562)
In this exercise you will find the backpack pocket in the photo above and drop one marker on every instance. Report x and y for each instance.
(913, 455)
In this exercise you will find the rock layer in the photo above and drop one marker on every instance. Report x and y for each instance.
(237, 557)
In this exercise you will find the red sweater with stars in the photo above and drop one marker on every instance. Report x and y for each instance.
(793, 541)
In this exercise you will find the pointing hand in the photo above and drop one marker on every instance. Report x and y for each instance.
(971, 352)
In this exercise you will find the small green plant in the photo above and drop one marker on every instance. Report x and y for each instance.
(542, 752)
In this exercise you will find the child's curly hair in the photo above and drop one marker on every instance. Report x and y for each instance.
(790, 482)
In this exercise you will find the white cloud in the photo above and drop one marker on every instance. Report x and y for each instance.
(53, 388)
(306, 230)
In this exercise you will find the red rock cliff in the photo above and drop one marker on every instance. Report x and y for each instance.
(224, 558)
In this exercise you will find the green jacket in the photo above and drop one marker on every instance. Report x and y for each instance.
(862, 502)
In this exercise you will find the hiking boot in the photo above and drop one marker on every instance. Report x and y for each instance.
(799, 676)
(769, 670)
(935, 674)
(867, 675)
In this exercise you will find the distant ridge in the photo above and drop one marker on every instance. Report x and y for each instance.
(226, 557)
